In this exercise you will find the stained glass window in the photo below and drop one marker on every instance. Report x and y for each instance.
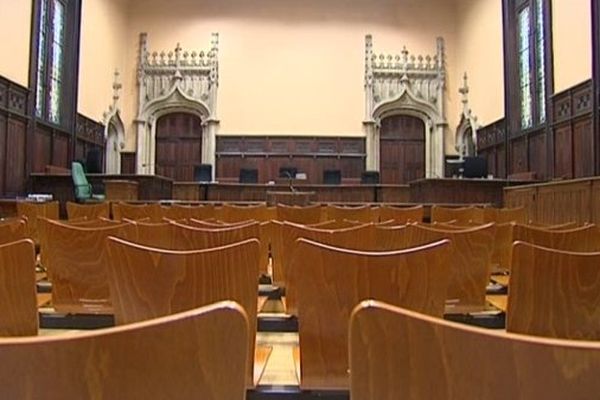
(530, 52)
(51, 60)
(540, 39)
(525, 69)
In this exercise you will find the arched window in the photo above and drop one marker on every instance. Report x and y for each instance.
(55, 44)
(528, 37)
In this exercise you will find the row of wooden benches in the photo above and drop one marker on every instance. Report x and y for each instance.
(148, 282)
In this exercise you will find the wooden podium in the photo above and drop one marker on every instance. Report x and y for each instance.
(301, 199)
(121, 190)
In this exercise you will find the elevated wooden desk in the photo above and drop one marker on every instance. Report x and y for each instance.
(461, 191)
(121, 190)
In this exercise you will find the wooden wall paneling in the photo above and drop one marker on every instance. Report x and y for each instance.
(519, 155)
(537, 154)
(563, 156)
(42, 142)
(309, 155)
(564, 202)
(490, 145)
(402, 149)
(14, 161)
(89, 136)
(583, 147)
(60, 150)
(524, 196)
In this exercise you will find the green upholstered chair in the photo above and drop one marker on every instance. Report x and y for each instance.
(83, 189)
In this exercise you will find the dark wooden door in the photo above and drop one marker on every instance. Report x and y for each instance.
(402, 149)
(178, 146)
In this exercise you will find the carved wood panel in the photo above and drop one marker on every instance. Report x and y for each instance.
(583, 149)
(402, 149)
(563, 151)
(519, 155)
(537, 155)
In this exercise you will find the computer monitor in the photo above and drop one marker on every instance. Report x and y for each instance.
(475, 167)
(332, 177)
(248, 175)
(203, 173)
(369, 178)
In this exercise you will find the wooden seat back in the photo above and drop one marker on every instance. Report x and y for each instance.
(332, 281)
(18, 304)
(231, 213)
(364, 214)
(12, 230)
(400, 354)
(470, 260)
(554, 293)
(31, 211)
(77, 211)
(335, 224)
(179, 212)
(76, 259)
(284, 243)
(146, 283)
(401, 215)
(504, 215)
(299, 215)
(583, 239)
(198, 354)
(134, 212)
(460, 215)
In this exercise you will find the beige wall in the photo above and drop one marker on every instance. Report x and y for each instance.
(103, 49)
(572, 36)
(291, 67)
(15, 23)
(480, 54)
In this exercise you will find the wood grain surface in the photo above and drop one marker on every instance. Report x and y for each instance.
(18, 302)
(134, 212)
(31, 211)
(554, 293)
(461, 215)
(401, 215)
(198, 354)
(90, 211)
(147, 283)
(299, 215)
(364, 214)
(333, 281)
(400, 354)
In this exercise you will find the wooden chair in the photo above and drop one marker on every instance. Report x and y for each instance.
(335, 224)
(401, 215)
(460, 215)
(261, 213)
(135, 212)
(288, 233)
(505, 215)
(198, 354)
(76, 259)
(179, 212)
(299, 215)
(147, 283)
(583, 239)
(89, 211)
(18, 303)
(470, 261)
(363, 214)
(12, 230)
(554, 293)
(332, 281)
(31, 211)
(401, 354)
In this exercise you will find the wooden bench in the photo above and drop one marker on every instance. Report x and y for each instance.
(400, 354)
(554, 293)
(146, 283)
(198, 354)
(332, 281)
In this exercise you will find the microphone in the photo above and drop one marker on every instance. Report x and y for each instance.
(291, 181)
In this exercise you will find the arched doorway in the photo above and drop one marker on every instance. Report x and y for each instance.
(178, 145)
(402, 149)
